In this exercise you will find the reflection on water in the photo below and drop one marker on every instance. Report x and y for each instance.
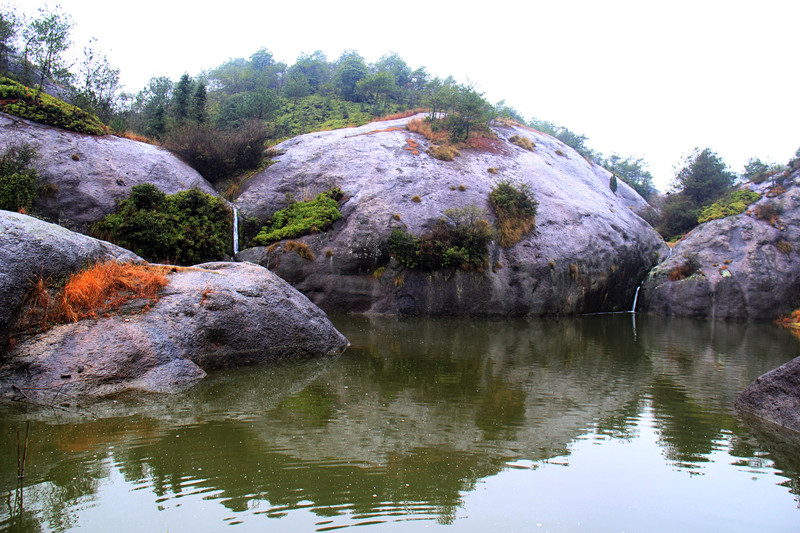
(623, 423)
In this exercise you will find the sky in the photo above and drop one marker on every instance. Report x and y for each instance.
(647, 79)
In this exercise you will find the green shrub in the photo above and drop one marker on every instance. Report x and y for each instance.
(17, 178)
(443, 152)
(186, 228)
(731, 204)
(20, 101)
(515, 208)
(302, 218)
(459, 241)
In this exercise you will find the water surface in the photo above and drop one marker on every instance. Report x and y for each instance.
(598, 423)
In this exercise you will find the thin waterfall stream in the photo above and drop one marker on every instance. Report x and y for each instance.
(235, 229)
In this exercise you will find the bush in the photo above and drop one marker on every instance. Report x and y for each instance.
(218, 154)
(768, 212)
(302, 218)
(459, 241)
(20, 101)
(515, 208)
(689, 267)
(522, 142)
(731, 204)
(443, 152)
(188, 227)
(17, 178)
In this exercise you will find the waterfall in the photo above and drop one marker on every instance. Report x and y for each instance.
(235, 230)
(636, 297)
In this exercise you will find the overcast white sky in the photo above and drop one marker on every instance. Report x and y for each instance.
(642, 78)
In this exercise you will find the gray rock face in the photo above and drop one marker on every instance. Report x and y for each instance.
(88, 175)
(30, 248)
(775, 396)
(210, 316)
(588, 253)
(749, 268)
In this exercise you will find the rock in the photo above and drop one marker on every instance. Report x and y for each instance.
(748, 267)
(87, 175)
(30, 248)
(210, 316)
(589, 252)
(775, 396)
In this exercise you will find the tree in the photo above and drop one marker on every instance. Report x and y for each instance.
(198, 113)
(470, 107)
(181, 99)
(350, 69)
(314, 67)
(376, 88)
(755, 170)
(632, 172)
(46, 40)
(704, 177)
(612, 183)
(9, 23)
(96, 84)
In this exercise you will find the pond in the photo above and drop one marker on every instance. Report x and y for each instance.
(596, 423)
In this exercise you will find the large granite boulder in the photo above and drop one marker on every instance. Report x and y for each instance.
(746, 267)
(31, 248)
(87, 175)
(209, 316)
(589, 252)
(775, 396)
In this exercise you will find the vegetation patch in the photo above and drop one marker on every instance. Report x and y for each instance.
(23, 102)
(768, 212)
(515, 208)
(689, 267)
(784, 247)
(731, 204)
(300, 248)
(99, 290)
(459, 241)
(791, 321)
(218, 154)
(17, 178)
(302, 218)
(443, 152)
(186, 228)
(522, 142)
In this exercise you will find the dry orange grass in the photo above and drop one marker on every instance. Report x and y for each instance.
(791, 321)
(511, 230)
(419, 125)
(403, 114)
(137, 137)
(106, 286)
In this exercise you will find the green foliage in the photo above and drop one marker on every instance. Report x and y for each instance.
(612, 183)
(515, 208)
(459, 241)
(186, 228)
(18, 100)
(17, 178)
(731, 204)
(632, 172)
(704, 178)
(302, 218)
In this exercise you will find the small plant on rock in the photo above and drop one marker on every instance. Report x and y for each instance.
(515, 208)
(17, 177)
(689, 267)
